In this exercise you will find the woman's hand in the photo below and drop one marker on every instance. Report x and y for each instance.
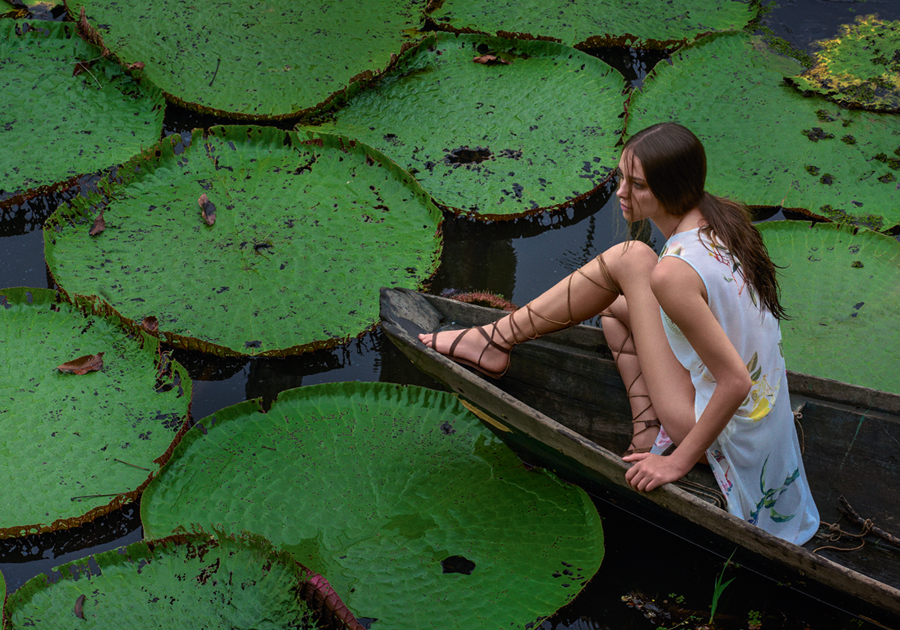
(651, 471)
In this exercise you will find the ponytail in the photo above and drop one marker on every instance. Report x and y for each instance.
(729, 223)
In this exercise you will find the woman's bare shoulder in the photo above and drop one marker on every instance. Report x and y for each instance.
(674, 279)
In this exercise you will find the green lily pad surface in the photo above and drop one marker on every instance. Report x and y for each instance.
(77, 446)
(861, 67)
(55, 126)
(840, 290)
(413, 511)
(260, 60)
(6, 7)
(597, 23)
(766, 144)
(181, 582)
(494, 140)
(304, 234)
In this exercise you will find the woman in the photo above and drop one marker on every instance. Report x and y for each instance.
(694, 333)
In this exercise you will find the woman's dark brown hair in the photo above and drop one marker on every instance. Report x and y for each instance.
(674, 164)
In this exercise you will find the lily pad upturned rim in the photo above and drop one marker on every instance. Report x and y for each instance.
(315, 428)
(607, 40)
(133, 169)
(19, 196)
(333, 101)
(89, 308)
(427, 44)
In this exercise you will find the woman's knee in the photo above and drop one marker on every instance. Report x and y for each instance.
(630, 260)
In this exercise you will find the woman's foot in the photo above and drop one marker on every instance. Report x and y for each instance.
(645, 433)
(482, 348)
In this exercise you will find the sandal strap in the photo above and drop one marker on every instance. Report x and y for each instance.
(533, 318)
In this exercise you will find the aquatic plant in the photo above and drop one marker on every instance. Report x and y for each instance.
(184, 581)
(860, 67)
(77, 446)
(645, 23)
(248, 241)
(838, 286)
(719, 588)
(768, 144)
(475, 141)
(485, 298)
(65, 110)
(265, 61)
(413, 510)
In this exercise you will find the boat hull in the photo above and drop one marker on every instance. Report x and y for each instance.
(562, 405)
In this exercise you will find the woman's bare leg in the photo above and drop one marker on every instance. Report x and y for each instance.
(667, 382)
(645, 422)
(624, 269)
(581, 295)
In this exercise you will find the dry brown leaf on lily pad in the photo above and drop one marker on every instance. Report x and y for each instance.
(150, 324)
(83, 365)
(99, 225)
(136, 66)
(208, 209)
(490, 60)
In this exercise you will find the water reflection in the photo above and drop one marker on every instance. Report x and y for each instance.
(22, 558)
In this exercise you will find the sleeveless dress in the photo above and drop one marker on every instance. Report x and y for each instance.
(756, 459)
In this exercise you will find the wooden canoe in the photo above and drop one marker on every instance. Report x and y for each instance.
(563, 406)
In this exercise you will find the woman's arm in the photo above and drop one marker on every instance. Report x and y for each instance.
(682, 296)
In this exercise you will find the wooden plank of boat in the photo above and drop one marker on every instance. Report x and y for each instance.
(562, 401)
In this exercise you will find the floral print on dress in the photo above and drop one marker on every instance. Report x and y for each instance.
(770, 497)
(763, 390)
(721, 471)
(735, 270)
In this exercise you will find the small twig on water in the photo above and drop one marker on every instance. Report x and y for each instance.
(132, 465)
(216, 72)
(95, 496)
(84, 66)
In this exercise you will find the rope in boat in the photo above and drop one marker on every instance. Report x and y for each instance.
(715, 496)
(867, 525)
(798, 415)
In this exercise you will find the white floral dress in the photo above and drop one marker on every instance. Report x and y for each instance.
(756, 459)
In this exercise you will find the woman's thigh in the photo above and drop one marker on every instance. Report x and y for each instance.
(668, 382)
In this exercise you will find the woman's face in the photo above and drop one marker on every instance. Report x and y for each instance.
(635, 198)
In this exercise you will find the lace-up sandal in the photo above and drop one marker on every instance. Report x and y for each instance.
(529, 326)
(649, 424)
(489, 338)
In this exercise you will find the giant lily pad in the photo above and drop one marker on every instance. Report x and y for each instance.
(497, 140)
(265, 60)
(861, 67)
(839, 287)
(55, 126)
(184, 582)
(410, 508)
(597, 23)
(77, 446)
(766, 144)
(303, 234)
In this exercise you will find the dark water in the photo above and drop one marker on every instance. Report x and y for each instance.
(516, 259)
